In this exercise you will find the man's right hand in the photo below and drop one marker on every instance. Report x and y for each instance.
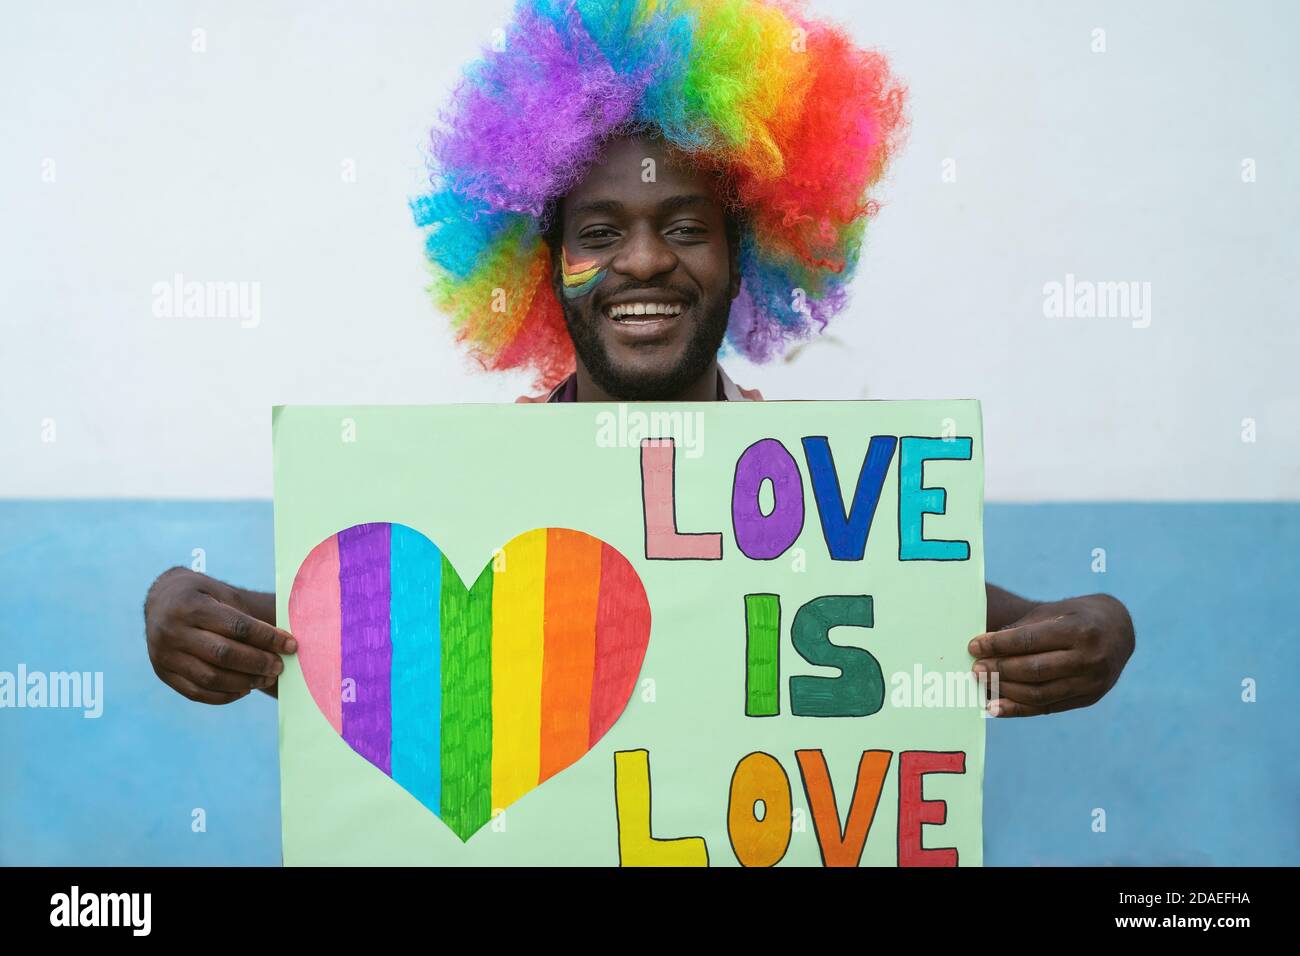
(203, 642)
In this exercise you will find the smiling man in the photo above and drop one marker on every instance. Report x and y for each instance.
(619, 194)
(645, 272)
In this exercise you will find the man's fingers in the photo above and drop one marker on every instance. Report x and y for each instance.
(193, 691)
(226, 653)
(211, 678)
(1022, 639)
(1005, 707)
(212, 615)
(1031, 668)
(1041, 695)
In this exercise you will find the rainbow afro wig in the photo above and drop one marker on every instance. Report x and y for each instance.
(797, 122)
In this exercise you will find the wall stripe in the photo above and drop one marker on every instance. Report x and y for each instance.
(518, 593)
(314, 620)
(467, 701)
(572, 591)
(366, 654)
(416, 587)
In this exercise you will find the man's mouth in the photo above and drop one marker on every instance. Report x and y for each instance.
(643, 313)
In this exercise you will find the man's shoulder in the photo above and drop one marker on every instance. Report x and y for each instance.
(736, 393)
(562, 391)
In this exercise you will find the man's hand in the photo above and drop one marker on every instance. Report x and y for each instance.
(204, 643)
(1056, 657)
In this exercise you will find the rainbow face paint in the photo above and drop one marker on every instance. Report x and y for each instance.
(580, 277)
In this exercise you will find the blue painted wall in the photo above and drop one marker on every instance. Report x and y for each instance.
(1186, 772)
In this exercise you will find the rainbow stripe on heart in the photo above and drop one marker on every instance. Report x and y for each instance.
(469, 698)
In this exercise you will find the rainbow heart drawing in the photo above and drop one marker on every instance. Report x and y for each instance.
(469, 698)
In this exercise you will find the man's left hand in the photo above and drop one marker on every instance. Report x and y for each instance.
(1059, 656)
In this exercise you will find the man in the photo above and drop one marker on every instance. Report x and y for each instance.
(648, 254)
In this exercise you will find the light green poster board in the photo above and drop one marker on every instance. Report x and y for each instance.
(639, 634)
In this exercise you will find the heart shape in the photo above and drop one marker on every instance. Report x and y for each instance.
(469, 698)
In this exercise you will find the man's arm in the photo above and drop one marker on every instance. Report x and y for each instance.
(1004, 608)
(1051, 656)
(211, 641)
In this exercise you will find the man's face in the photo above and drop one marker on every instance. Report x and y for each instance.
(661, 244)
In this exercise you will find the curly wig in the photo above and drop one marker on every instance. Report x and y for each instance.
(796, 121)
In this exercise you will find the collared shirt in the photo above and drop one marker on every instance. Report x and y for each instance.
(567, 391)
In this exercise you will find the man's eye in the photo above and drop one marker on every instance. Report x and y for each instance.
(598, 234)
(690, 230)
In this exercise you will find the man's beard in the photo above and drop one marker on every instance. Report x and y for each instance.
(633, 386)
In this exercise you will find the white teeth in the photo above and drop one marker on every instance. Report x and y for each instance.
(643, 308)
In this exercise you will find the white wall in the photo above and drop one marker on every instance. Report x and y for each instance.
(226, 165)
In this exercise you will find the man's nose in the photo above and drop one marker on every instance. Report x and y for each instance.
(644, 255)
